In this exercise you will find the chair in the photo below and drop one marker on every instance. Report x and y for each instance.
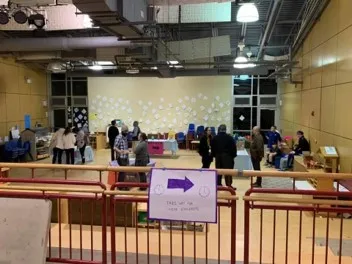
(213, 131)
(11, 151)
(191, 131)
(180, 137)
(200, 131)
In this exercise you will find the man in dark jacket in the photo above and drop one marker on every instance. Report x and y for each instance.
(257, 153)
(303, 144)
(113, 132)
(223, 148)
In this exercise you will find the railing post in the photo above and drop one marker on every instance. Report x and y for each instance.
(233, 231)
(112, 229)
(246, 233)
(104, 230)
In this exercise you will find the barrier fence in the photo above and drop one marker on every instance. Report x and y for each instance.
(94, 224)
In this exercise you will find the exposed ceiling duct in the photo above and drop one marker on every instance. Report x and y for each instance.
(184, 2)
(110, 14)
(52, 44)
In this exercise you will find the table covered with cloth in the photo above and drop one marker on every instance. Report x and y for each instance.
(243, 161)
(158, 146)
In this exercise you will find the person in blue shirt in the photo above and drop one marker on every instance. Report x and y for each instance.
(273, 137)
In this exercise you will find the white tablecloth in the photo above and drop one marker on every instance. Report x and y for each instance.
(243, 161)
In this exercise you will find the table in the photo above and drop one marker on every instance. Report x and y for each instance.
(194, 143)
(243, 160)
(158, 146)
(88, 154)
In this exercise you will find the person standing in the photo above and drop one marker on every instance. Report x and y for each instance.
(204, 148)
(257, 153)
(82, 141)
(136, 131)
(223, 148)
(69, 141)
(113, 132)
(121, 148)
(57, 145)
(142, 157)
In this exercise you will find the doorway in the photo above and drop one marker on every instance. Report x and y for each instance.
(267, 118)
(59, 118)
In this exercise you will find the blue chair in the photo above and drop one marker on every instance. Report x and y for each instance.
(11, 151)
(191, 128)
(213, 131)
(180, 137)
(200, 131)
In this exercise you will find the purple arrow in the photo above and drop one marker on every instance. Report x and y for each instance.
(185, 184)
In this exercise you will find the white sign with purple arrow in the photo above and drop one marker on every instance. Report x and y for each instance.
(183, 195)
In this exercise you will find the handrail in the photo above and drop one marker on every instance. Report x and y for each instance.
(234, 172)
(50, 189)
(144, 193)
(297, 201)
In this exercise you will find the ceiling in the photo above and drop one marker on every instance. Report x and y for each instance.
(202, 37)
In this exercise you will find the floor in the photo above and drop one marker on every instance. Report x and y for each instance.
(217, 233)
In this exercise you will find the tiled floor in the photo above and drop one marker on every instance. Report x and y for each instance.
(190, 159)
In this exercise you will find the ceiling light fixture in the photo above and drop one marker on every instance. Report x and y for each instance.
(95, 67)
(4, 18)
(247, 13)
(37, 20)
(132, 71)
(244, 65)
(20, 17)
(154, 68)
(241, 59)
(105, 63)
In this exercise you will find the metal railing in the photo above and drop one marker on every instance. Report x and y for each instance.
(276, 227)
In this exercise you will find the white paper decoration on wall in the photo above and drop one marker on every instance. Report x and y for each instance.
(219, 119)
(104, 98)
(98, 96)
(94, 101)
(200, 95)
(170, 105)
(202, 108)
(149, 103)
(157, 116)
(210, 110)
(221, 105)
(180, 100)
(111, 100)
(228, 103)
(154, 111)
(161, 99)
(186, 114)
(147, 122)
(177, 109)
(185, 122)
(120, 100)
(129, 110)
(140, 102)
(170, 126)
(194, 113)
(217, 98)
(164, 119)
(206, 118)
(205, 98)
(161, 107)
(123, 107)
(184, 107)
(174, 120)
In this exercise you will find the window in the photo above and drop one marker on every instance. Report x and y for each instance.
(58, 88)
(267, 86)
(79, 88)
(268, 100)
(242, 100)
(58, 101)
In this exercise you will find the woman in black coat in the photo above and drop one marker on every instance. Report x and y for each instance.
(204, 148)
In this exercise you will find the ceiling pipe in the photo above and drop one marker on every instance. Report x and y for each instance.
(52, 44)
(270, 26)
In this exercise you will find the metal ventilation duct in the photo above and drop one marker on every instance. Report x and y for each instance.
(107, 13)
(52, 44)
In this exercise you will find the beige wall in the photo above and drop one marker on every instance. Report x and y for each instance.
(322, 105)
(17, 98)
(160, 104)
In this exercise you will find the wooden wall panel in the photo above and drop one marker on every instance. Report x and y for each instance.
(344, 18)
(328, 109)
(329, 62)
(344, 56)
(343, 116)
(2, 107)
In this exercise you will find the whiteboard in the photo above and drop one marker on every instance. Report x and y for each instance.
(24, 226)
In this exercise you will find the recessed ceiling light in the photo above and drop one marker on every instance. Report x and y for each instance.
(154, 68)
(132, 71)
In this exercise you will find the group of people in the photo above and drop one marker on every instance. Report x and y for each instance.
(65, 140)
(120, 151)
(223, 148)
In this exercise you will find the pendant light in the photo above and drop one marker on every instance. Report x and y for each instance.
(247, 13)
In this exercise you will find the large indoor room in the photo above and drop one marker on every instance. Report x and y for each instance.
(173, 131)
